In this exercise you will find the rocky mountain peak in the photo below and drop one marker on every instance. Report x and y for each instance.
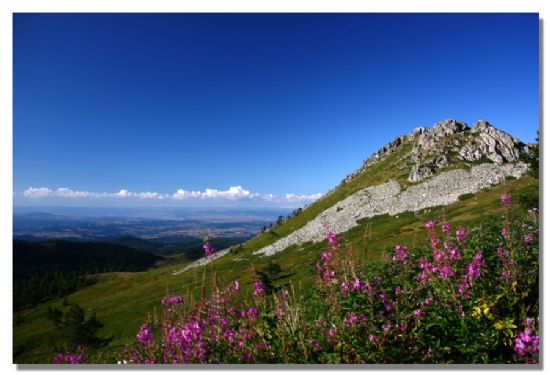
(448, 127)
(431, 147)
(498, 146)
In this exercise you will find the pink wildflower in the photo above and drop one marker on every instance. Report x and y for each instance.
(430, 224)
(504, 232)
(461, 235)
(172, 300)
(506, 199)
(258, 287)
(401, 253)
(144, 335)
(208, 249)
(332, 239)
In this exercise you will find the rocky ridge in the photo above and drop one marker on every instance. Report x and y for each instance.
(388, 198)
(432, 149)
(432, 145)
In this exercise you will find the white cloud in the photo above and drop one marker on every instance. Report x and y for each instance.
(37, 192)
(69, 193)
(269, 197)
(123, 193)
(184, 194)
(149, 195)
(302, 198)
(236, 192)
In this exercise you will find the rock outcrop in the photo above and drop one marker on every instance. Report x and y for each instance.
(428, 143)
(388, 198)
(431, 144)
(433, 148)
(427, 169)
(385, 151)
(496, 145)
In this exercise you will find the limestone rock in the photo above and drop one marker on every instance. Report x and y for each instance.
(496, 145)
(428, 142)
(420, 172)
(440, 190)
(427, 169)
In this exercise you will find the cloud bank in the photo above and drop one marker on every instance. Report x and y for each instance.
(234, 193)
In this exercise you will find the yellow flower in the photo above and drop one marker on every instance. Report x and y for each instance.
(482, 309)
(507, 323)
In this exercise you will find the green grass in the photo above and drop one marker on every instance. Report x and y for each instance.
(122, 300)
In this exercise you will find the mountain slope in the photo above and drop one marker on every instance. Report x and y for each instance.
(425, 168)
(121, 300)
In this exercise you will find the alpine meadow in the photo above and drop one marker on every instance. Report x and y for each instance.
(186, 189)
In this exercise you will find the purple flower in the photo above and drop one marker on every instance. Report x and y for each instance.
(314, 343)
(68, 358)
(505, 275)
(502, 253)
(356, 285)
(74, 358)
(474, 268)
(506, 199)
(504, 232)
(526, 343)
(445, 228)
(253, 312)
(424, 264)
(144, 335)
(445, 271)
(331, 332)
(461, 235)
(258, 287)
(332, 239)
(58, 358)
(325, 255)
(345, 288)
(422, 277)
(234, 286)
(439, 256)
(430, 224)
(208, 249)
(401, 253)
(172, 300)
(418, 313)
(454, 252)
(528, 238)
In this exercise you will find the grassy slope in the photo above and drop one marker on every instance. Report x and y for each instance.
(122, 300)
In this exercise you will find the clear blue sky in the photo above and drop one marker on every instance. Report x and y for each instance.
(274, 103)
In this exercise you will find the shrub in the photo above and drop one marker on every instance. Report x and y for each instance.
(74, 331)
(529, 198)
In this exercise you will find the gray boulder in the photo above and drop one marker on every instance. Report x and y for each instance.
(498, 146)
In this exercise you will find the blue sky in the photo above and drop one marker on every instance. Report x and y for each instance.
(227, 108)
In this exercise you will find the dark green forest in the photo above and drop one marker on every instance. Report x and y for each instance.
(52, 269)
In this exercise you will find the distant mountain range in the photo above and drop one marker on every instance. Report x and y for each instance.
(172, 226)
